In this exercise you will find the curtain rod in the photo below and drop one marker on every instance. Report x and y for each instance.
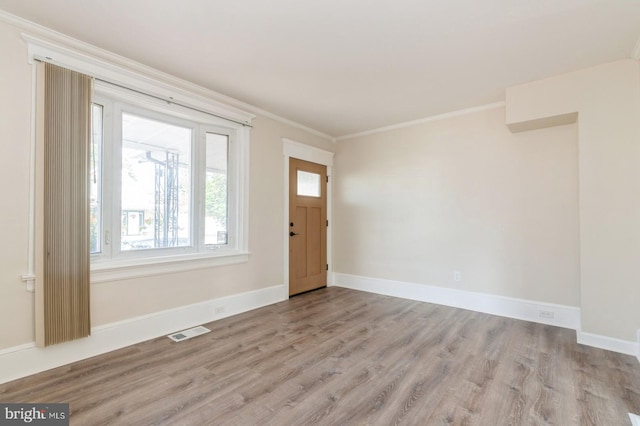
(169, 101)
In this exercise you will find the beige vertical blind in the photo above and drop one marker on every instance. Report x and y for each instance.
(66, 125)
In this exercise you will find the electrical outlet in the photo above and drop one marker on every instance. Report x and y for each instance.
(457, 277)
(547, 314)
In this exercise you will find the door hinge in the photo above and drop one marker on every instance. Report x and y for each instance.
(327, 223)
(327, 266)
(327, 179)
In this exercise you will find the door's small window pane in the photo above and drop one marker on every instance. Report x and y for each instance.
(308, 184)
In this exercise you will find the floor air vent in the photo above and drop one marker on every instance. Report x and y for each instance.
(188, 334)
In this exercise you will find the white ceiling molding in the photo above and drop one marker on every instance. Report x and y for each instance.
(43, 41)
(424, 120)
(292, 123)
(71, 47)
(119, 71)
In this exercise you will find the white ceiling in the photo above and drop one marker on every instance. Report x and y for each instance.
(346, 66)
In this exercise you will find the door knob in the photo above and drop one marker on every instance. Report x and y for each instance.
(291, 234)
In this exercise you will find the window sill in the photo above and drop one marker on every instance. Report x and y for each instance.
(148, 267)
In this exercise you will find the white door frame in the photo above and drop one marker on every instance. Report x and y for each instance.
(293, 149)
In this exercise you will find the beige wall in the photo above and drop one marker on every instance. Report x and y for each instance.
(463, 194)
(121, 300)
(548, 214)
(16, 305)
(606, 99)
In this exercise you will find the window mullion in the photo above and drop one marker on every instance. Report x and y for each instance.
(116, 180)
(197, 193)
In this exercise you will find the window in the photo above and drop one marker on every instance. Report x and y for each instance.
(197, 232)
(155, 180)
(308, 184)
(166, 182)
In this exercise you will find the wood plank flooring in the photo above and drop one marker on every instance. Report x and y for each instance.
(343, 357)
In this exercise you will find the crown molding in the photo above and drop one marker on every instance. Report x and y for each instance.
(114, 70)
(423, 120)
(267, 114)
(83, 48)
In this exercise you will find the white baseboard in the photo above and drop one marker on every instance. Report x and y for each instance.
(608, 343)
(23, 360)
(563, 316)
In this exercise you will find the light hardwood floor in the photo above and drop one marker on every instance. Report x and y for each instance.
(340, 357)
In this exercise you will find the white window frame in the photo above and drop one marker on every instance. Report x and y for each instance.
(121, 72)
(233, 202)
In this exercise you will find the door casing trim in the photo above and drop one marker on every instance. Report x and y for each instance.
(293, 149)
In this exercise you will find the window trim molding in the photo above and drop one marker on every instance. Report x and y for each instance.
(153, 266)
(108, 70)
(122, 72)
